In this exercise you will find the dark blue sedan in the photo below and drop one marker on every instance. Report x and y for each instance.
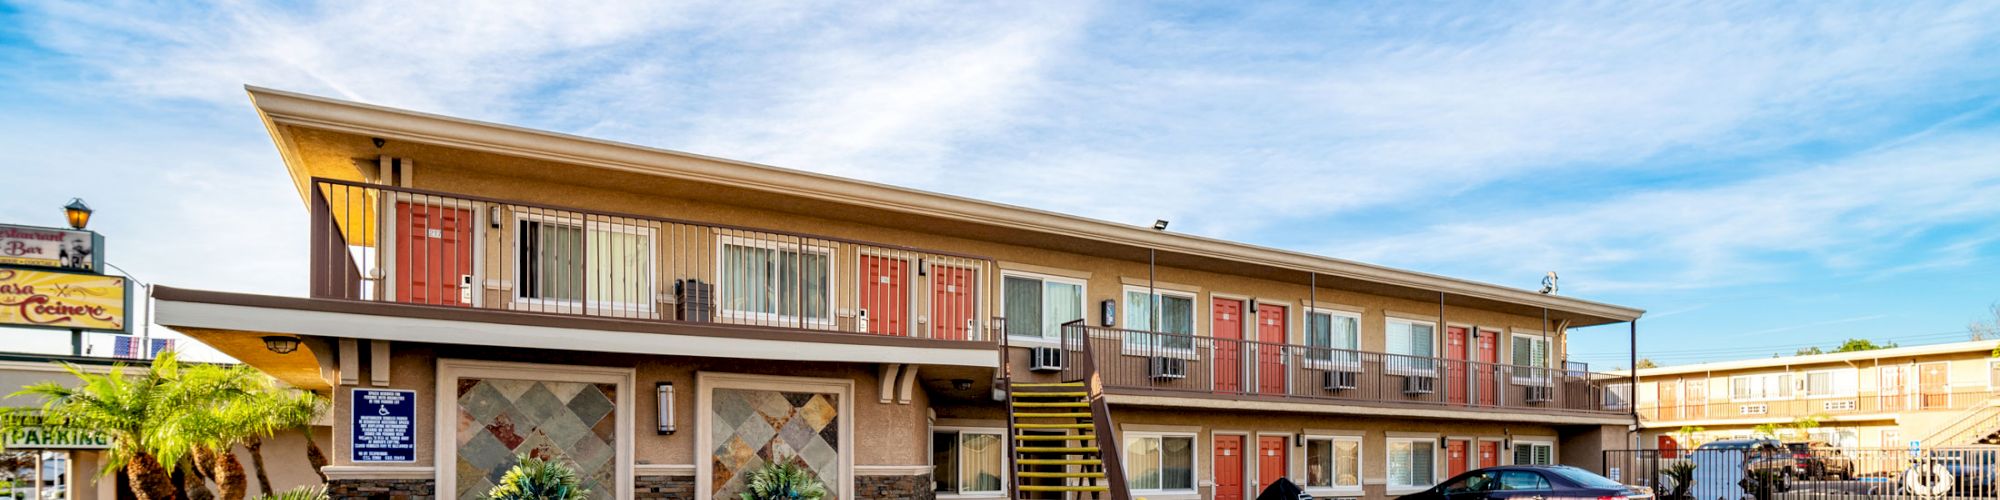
(1521, 482)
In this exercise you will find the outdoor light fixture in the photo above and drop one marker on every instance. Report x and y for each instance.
(961, 384)
(379, 142)
(493, 216)
(281, 344)
(1160, 225)
(1441, 444)
(663, 394)
(78, 213)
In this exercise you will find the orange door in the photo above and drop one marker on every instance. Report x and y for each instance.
(1489, 453)
(1670, 402)
(1271, 454)
(1457, 458)
(1931, 379)
(1892, 388)
(885, 296)
(1454, 365)
(1696, 405)
(433, 253)
(1228, 467)
(953, 303)
(1271, 329)
(1486, 351)
(1226, 325)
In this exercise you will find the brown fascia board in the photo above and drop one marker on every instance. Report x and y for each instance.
(279, 107)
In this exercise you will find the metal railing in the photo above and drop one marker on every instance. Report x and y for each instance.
(1859, 403)
(1815, 473)
(390, 244)
(1146, 361)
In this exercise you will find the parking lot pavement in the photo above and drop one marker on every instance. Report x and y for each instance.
(1861, 488)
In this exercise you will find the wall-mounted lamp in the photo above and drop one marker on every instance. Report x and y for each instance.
(1160, 225)
(1441, 444)
(493, 216)
(77, 213)
(1107, 312)
(663, 395)
(961, 384)
(281, 344)
(379, 142)
(1299, 439)
(923, 268)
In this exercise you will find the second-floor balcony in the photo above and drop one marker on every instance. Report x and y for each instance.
(390, 244)
(1168, 364)
(1802, 406)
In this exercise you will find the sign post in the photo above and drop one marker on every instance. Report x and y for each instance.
(384, 426)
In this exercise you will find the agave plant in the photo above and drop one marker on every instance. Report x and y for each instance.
(783, 480)
(536, 479)
(299, 493)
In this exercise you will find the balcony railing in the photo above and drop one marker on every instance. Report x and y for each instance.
(389, 244)
(1859, 403)
(1135, 361)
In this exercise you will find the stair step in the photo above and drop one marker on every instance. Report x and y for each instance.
(1062, 404)
(1058, 461)
(1046, 384)
(1056, 449)
(1063, 488)
(1064, 437)
(1052, 415)
(1054, 426)
(1056, 475)
(1063, 394)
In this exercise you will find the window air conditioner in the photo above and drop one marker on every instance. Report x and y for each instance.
(1540, 394)
(1045, 359)
(1341, 381)
(1168, 368)
(1419, 384)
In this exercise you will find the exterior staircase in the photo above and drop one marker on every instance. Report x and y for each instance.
(1064, 443)
(1979, 424)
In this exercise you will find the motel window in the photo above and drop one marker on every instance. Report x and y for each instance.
(568, 260)
(1333, 463)
(772, 281)
(1411, 345)
(969, 461)
(1534, 453)
(1993, 374)
(1036, 307)
(1163, 311)
(1332, 337)
(1412, 463)
(1829, 383)
(1531, 357)
(1159, 462)
(1759, 387)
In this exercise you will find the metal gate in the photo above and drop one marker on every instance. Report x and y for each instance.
(1821, 473)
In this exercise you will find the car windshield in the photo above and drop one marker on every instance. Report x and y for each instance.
(1585, 478)
(1800, 447)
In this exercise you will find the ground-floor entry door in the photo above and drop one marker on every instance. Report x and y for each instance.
(1457, 456)
(1228, 467)
(1489, 453)
(1271, 455)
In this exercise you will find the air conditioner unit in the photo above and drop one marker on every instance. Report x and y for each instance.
(1341, 381)
(1419, 384)
(693, 300)
(1540, 394)
(1168, 368)
(1045, 359)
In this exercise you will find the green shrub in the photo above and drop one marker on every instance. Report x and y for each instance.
(299, 493)
(783, 481)
(535, 479)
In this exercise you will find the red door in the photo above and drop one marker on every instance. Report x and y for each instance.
(1457, 459)
(1931, 380)
(1271, 333)
(1487, 353)
(1226, 325)
(1271, 454)
(1669, 447)
(1228, 467)
(1489, 453)
(953, 302)
(433, 253)
(1454, 365)
(885, 296)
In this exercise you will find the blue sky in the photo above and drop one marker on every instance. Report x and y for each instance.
(1760, 176)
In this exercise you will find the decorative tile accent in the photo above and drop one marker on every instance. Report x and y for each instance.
(751, 428)
(570, 421)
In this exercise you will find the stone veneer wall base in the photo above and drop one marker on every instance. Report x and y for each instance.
(917, 487)
(663, 487)
(394, 489)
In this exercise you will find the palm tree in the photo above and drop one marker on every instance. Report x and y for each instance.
(126, 409)
(220, 410)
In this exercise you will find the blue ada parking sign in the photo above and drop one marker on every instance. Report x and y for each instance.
(384, 426)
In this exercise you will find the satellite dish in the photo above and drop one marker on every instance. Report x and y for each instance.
(1549, 284)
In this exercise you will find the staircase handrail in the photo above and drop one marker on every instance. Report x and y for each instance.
(1968, 422)
(1100, 412)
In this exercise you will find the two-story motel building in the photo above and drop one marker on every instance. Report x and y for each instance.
(668, 322)
(1935, 395)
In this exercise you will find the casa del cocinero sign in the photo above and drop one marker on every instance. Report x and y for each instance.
(54, 299)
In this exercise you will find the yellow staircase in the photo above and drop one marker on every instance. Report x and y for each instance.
(1057, 453)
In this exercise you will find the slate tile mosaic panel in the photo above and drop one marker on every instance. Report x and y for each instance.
(751, 428)
(570, 421)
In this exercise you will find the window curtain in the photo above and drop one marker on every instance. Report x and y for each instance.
(1177, 463)
(1023, 298)
(1142, 463)
(620, 268)
(1064, 303)
(1347, 463)
(982, 462)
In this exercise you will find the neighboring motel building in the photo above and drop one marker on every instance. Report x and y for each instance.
(670, 321)
(1934, 395)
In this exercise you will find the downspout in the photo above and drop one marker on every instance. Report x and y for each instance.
(1636, 444)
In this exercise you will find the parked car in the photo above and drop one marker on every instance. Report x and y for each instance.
(1972, 470)
(1528, 481)
(1759, 454)
(1816, 461)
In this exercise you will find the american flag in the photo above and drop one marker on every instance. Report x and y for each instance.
(128, 347)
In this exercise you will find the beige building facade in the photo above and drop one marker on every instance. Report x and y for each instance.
(1931, 395)
(670, 322)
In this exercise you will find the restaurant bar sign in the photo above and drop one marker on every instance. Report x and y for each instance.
(49, 247)
(64, 300)
(26, 430)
